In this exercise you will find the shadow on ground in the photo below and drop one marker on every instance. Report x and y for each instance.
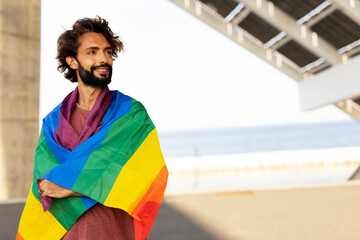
(9, 219)
(170, 224)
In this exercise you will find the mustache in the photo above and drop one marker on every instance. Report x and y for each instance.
(101, 65)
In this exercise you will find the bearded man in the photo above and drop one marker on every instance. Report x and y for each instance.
(98, 172)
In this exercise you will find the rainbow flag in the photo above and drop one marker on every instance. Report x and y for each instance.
(120, 166)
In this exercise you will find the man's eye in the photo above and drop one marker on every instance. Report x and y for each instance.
(91, 52)
(109, 52)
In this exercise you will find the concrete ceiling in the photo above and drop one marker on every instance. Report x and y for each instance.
(302, 38)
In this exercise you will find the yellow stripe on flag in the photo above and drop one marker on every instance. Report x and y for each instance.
(37, 224)
(137, 175)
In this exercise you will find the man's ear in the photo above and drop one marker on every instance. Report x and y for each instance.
(72, 62)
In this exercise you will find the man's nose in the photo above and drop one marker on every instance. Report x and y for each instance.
(102, 58)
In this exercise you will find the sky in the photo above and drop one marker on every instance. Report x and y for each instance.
(186, 74)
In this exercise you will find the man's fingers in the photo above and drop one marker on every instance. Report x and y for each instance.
(43, 183)
(44, 193)
(53, 190)
(43, 188)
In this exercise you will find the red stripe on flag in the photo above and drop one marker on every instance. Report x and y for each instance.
(145, 212)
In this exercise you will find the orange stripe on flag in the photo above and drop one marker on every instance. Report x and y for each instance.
(19, 237)
(145, 212)
(156, 191)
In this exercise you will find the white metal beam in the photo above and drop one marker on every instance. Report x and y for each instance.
(195, 9)
(284, 22)
(323, 14)
(352, 12)
(319, 68)
(350, 107)
(280, 43)
(241, 16)
(331, 86)
(353, 51)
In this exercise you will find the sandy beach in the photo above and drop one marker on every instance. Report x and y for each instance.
(258, 170)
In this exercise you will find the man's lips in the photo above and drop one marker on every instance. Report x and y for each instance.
(102, 70)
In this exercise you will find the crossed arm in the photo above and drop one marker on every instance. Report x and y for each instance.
(49, 189)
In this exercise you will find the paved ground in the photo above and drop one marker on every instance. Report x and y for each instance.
(9, 218)
(330, 212)
(327, 212)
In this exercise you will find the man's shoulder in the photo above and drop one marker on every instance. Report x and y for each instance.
(124, 105)
(51, 120)
(121, 97)
(54, 112)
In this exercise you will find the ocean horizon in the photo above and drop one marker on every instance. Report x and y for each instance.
(251, 139)
(252, 157)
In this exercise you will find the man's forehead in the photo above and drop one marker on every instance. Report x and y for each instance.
(92, 38)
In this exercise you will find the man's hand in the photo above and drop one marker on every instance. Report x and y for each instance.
(49, 189)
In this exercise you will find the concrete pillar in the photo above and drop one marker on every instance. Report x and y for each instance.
(19, 94)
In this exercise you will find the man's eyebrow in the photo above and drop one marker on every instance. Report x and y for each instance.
(92, 48)
(96, 48)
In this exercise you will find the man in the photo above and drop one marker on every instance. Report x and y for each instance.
(99, 172)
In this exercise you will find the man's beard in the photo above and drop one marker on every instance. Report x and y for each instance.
(90, 79)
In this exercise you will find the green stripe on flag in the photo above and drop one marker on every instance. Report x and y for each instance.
(44, 162)
(67, 210)
(123, 139)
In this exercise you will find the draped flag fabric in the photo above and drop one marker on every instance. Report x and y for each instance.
(120, 166)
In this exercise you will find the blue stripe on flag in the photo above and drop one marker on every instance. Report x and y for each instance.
(68, 171)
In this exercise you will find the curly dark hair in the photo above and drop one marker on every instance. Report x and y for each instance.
(67, 44)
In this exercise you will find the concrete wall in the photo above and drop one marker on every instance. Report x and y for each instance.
(19, 94)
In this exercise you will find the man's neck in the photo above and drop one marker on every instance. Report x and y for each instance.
(87, 95)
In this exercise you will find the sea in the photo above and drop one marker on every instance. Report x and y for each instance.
(203, 144)
(260, 139)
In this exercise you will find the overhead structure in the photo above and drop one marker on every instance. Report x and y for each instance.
(315, 42)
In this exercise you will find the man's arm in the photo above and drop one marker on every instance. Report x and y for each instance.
(49, 189)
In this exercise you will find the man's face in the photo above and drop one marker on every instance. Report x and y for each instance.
(89, 78)
(94, 57)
